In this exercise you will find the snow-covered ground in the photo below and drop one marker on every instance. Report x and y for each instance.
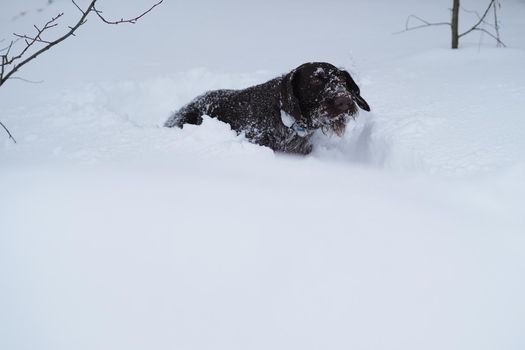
(407, 233)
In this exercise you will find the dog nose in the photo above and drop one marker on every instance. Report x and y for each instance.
(342, 102)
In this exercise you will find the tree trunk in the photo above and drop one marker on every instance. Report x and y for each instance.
(455, 24)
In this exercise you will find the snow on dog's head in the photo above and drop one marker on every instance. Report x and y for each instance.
(326, 96)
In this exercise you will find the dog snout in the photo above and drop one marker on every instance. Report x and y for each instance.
(342, 102)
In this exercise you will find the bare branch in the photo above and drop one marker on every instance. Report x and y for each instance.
(35, 39)
(51, 23)
(27, 80)
(477, 15)
(8, 48)
(496, 22)
(78, 7)
(29, 43)
(481, 19)
(494, 4)
(2, 67)
(424, 25)
(491, 35)
(32, 41)
(131, 20)
(7, 131)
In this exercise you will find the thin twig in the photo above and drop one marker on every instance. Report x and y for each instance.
(481, 19)
(491, 35)
(424, 25)
(475, 27)
(8, 133)
(122, 20)
(30, 41)
(4, 60)
(35, 39)
(78, 7)
(50, 24)
(27, 80)
(477, 15)
(496, 22)
(8, 48)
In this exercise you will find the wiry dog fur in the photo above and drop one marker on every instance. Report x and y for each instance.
(284, 112)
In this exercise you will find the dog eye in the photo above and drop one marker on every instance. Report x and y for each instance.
(316, 81)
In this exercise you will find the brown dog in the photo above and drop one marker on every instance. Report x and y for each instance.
(284, 112)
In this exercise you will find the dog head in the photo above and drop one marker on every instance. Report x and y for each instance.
(319, 95)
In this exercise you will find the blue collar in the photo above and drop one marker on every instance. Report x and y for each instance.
(299, 130)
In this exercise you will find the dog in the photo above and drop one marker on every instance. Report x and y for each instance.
(284, 112)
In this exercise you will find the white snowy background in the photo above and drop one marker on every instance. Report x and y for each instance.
(407, 233)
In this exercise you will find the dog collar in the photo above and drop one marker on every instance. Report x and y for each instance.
(291, 123)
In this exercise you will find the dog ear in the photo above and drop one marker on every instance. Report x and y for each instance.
(289, 100)
(362, 103)
(356, 93)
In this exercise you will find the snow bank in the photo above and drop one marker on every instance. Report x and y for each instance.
(236, 254)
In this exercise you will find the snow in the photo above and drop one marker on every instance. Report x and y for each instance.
(406, 233)
(287, 119)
